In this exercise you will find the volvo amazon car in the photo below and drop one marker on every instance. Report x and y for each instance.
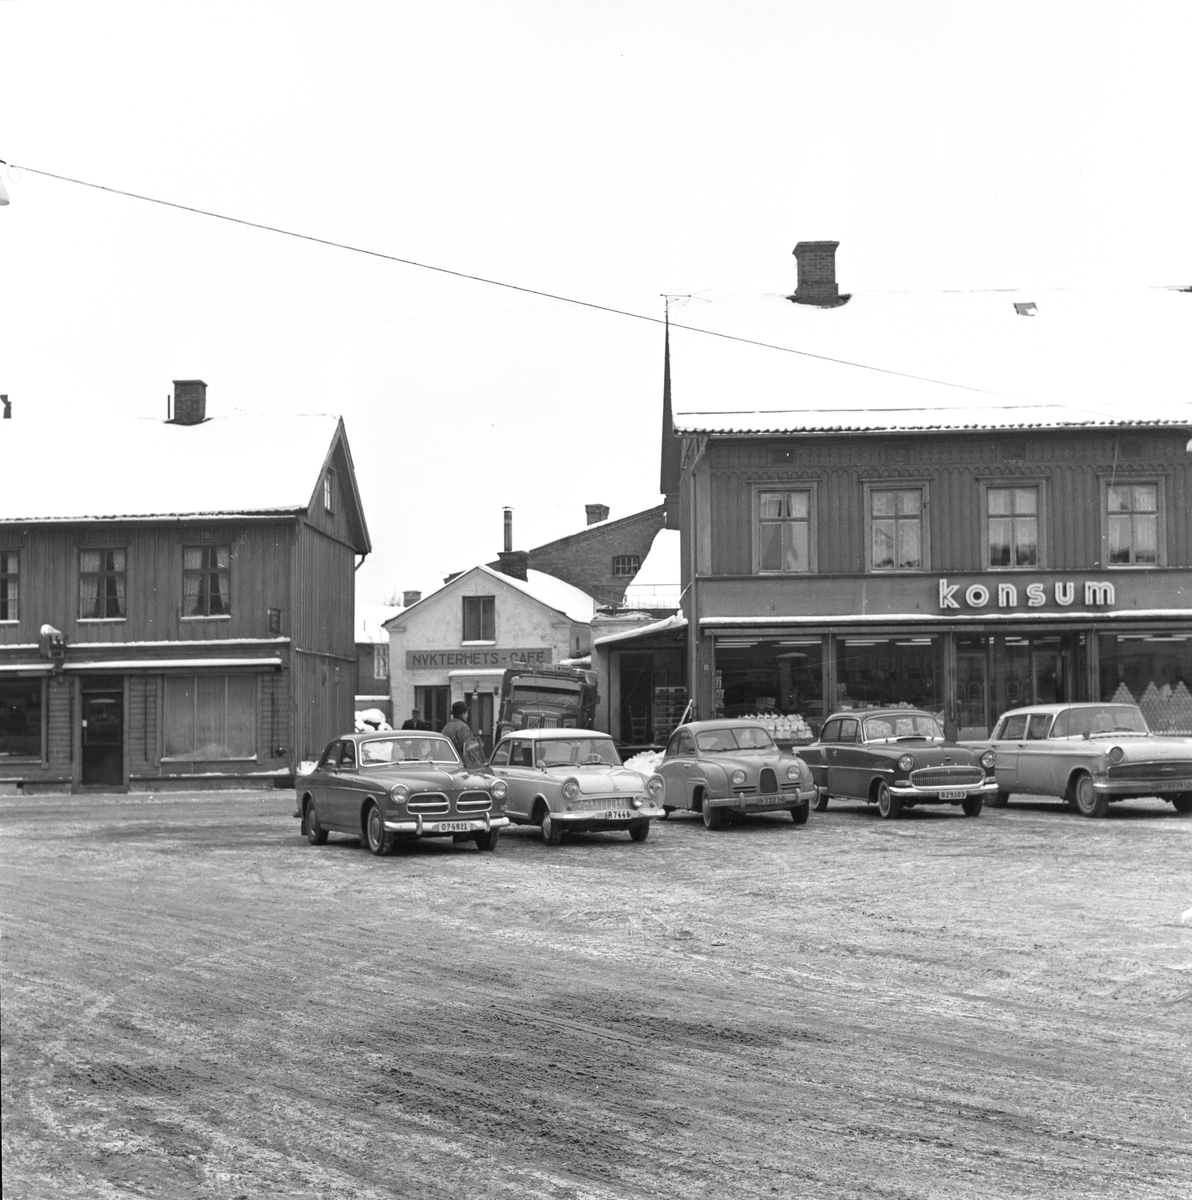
(572, 780)
(896, 758)
(1089, 755)
(716, 768)
(389, 787)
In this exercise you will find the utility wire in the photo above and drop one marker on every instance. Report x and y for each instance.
(529, 291)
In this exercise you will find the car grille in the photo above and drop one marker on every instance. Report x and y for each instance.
(767, 781)
(947, 776)
(602, 802)
(1152, 771)
(428, 802)
(473, 802)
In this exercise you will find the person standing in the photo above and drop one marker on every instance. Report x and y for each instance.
(458, 729)
(415, 721)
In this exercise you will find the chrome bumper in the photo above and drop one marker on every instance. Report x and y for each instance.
(906, 792)
(762, 801)
(606, 816)
(1142, 787)
(423, 826)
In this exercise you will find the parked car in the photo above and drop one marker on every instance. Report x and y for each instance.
(572, 780)
(386, 787)
(1089, 755)
(732, 766)
(896, 758)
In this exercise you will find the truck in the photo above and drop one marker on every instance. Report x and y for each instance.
(554, 697)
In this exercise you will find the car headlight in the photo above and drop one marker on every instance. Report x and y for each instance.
(399, 793)
(499, 789)
(988, 760)
(570, 789)
(906, 762)
(655, 786)
(793, 772)
(738, 778)
(1116, 754)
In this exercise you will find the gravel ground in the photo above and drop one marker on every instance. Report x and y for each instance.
(197, 1003)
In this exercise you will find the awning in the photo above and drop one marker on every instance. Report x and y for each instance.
(666, 625)
(38, 668)
(149, 665)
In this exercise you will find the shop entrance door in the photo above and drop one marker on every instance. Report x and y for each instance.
(103, 733)
(480, 717)
(972, 712)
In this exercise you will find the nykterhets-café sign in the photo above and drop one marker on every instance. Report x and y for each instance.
(1060, 593)
(467, 659)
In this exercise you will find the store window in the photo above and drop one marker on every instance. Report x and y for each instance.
(779, 681)
(210, 717)
(480, 619)
(20, 719)
(892, 670)
(205, 574)
(626, 564)
(784, 541)
(897, 532)
(1012, 527)
(1132, 524)
(102, 584)
(1152, 670)
(10, 585)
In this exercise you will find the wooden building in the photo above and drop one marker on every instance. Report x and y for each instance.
(201, 575)
(965, 503)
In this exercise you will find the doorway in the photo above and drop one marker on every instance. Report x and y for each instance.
(102, 732)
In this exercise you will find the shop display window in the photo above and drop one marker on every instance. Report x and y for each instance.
(780, 680)
(891, 670)
(1152, 670)
(210, 717)
(20, 719)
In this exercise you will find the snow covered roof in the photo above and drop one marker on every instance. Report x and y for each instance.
(370, 620)
(666, 625)
(660, 568)
(145, 468)
(935, 361)
(555, 593)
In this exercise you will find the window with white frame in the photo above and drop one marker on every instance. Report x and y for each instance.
(205, 576)
(480, 619)
(10, 585)
(1132, 523)
(897, 532)
(102, 584)
(784, 531)
(1012, 526)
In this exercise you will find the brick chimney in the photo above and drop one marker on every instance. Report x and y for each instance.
(190, 402)
(596, 513)
(817, 275)
(514, 563)
(408, 598)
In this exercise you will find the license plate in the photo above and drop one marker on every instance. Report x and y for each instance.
(1171, 785)
(952, 795)
(450, 827)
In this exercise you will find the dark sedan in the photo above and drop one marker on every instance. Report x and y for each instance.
(386, 787)
(896, 758)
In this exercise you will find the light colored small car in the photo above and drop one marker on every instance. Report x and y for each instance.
(1090, 755)
(717, 767)
(390, 787)
(572, 780)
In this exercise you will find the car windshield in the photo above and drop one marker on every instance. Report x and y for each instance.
(1099, 719)
(570, 752)
(727, 741)
(389, 750)
(896, 727)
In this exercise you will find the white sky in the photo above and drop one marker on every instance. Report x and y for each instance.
(608, 151)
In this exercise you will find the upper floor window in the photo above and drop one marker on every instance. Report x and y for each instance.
(784, 521)
(10, 585)
(1132, 523)
(205, 571)
(101, 584)
(329, 491)
(626, 564)
(480, 619)
(380, 660)
(1013, 526)
(896, 529)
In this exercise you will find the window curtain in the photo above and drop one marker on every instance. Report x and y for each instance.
(89, 562)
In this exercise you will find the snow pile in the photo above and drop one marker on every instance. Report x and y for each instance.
(369, 720)
(645, 763)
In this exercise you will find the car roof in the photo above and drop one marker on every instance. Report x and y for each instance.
(864, 713)
(547, 735)
(1055, 708)
(723, 723)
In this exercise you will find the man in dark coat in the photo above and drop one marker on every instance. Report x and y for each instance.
(416, 721)
(458, 729)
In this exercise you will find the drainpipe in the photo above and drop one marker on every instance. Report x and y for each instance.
(693, 681)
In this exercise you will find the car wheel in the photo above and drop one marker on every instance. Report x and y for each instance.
(888, 804)
(820, 803)
(552, 830)
(972, 806)
(1088, 802)
(800, 812)
(487, 839)
(639, 833)
(713, 817)
(378, 839)
(1182, 802)
(315, 833)
(1001, 799)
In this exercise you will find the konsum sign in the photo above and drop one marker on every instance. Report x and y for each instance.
(1018, 594)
